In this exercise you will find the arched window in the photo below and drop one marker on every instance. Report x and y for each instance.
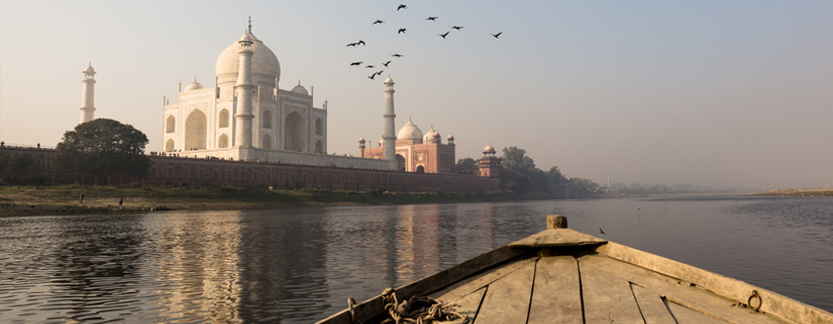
(295, 133)
(267, 142)
(319, 147)
(319, 127)
(170, 125)
(223, 119)
(169, 145)
(222, 142)
(400, 162)
(420, 169)
(195, 131)
(267, 119)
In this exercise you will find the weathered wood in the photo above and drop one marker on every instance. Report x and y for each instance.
(674, 289)
(773, 303)
(469, 304)
(373, 307)
(556, 221)
(557, 237)
(607, 299)
(685, 315)
(651, 305)
(464, 287)
(507, 300)
(556, 292)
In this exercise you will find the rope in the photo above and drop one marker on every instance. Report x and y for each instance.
(419, 310)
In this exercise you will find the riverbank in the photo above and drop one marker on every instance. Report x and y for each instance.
(65, 200)
(797, 192)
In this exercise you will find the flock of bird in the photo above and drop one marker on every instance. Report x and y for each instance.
(401, 31)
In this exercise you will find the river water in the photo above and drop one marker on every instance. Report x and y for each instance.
(300, 265)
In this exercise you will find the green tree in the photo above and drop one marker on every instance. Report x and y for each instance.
(103, 146)
(467, 163)
(517, 170)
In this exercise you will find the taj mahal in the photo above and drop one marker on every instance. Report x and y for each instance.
(245, 116)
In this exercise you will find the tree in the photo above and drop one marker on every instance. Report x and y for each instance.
(467, 163)
(103, 146)
(518, 170)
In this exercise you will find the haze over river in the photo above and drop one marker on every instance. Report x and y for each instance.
(300, 265)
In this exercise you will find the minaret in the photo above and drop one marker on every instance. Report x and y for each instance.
(88, 94)
(243, 89)
(389, 137)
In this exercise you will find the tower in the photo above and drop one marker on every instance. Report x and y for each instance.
(389, 137)
(88, 94)
(243, 89)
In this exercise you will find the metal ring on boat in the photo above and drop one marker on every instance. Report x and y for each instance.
(755, 295)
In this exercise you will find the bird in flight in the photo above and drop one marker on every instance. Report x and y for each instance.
(394, 55)
(371, 76)
(361, 42)
(401, 6)
(497, 35)
(386, 63)
(356, 63)
(603, 232)
(352, 44)
(444, 35)
(402, 30)
(378, 22)
(432, 18)
(457, 27)
(369, 67)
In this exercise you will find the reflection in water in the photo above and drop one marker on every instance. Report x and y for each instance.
(299, 265)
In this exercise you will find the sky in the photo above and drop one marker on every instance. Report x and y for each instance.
(718, 94)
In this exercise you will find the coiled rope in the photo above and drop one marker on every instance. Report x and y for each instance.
(416, 310)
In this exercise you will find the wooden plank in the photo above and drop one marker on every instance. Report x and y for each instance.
(556, 292)
(374, 306)
(557, 237)
(507, 299)
(469, 284)
(773, 303)
(469, 304)
(651, 305)
(607, 299)
(674, 289)
(685, 315)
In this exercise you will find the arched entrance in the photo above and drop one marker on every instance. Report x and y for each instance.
(222, 142)
(420, 169)
(195, 131)
(169, 146)
(400, 162)
(319, 147)
(296, 133)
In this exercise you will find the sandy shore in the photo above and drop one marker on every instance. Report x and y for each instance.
(798, 192)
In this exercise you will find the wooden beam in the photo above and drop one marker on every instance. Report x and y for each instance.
(507, 300)
(557, 237)
(607, 299)
(556, 292)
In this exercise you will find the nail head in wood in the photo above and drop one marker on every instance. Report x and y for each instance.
(556, 221)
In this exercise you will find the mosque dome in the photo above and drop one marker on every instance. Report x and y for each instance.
(300, 89)
(361, 139)
(431, 136)
(89, 69)
(489, 149)
(409, 132)
(450, 137)
(194, 85)
(265, 65)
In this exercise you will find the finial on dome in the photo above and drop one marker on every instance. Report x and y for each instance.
(250, 24)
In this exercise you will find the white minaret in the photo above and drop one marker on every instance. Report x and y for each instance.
(88, 94)
(389, 137)
(243, 89)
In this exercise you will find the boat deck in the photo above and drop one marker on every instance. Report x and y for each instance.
(589, 288)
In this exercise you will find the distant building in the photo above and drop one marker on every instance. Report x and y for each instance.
(417, 152)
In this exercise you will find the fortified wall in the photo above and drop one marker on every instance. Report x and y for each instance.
(171, 170)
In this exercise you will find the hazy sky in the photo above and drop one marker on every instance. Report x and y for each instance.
(713, 93)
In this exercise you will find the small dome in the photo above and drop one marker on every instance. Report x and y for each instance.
(348, 155)
(489, 149)
(431, 136)
(361, 140)
(409, 131)
(89, 69)
(389, 80)
(381, 142)
(450, 137)
(194, 85)
(300, 89)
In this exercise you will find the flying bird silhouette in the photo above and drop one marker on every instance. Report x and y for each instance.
(361, 42)
(401, 6)
(369, 67)
(397, 55)
(356, 63)
(402, 30)
(352, 44)
(380, 72)
(378, 22)
(603, 232)
(444, 35)
(497, 35)
(386, 63)
(371, 76)
(457, 27)
(432, 18)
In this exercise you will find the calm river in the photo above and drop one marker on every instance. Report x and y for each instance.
(300, 265)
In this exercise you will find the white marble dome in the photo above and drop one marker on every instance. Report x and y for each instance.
(409, 132)
(265, 65)
(431, 136)
(194, 85)
(300, 89)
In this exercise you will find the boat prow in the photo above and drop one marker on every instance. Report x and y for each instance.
(563, 276)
